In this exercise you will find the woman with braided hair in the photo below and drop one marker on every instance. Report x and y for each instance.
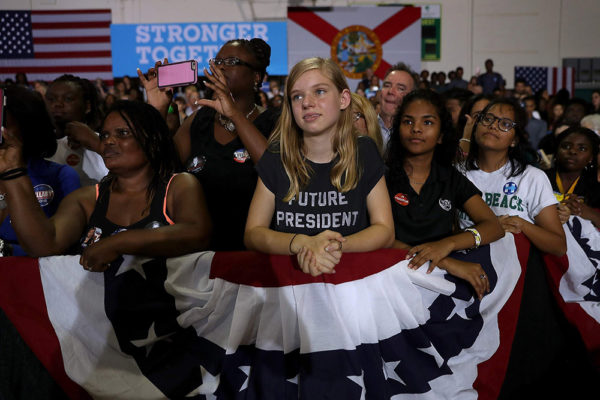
(222, 141)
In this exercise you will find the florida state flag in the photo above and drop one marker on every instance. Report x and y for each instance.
(357, 38)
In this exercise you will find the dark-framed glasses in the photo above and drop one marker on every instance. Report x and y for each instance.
(358, 115)
(230, 62)
(504, 124)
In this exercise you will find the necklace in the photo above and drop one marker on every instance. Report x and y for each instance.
(228, 124)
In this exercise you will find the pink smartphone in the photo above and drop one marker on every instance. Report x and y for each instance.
(178, 74)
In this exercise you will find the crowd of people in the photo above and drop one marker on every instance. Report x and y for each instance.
(261, 153)
(307, 168)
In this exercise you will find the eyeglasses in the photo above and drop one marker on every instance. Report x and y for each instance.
(358, 115)
(231, 61)
(504, 124)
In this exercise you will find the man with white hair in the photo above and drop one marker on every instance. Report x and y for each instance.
(592, 122)
(399, 80)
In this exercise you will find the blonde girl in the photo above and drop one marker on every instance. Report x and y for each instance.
(321, 189)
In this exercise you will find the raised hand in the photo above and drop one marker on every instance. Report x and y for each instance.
(223, 101)
(159, 98)
(81, 134)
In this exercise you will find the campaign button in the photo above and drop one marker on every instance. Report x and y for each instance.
(401, 199)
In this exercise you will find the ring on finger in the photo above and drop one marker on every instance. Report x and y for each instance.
(482, 276)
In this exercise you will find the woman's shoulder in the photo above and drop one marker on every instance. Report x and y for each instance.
(85, 197)
(181, 182)
(271, 156)
(535, 173)
(266, 121)
(367, 147)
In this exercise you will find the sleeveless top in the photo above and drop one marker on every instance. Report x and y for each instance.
(100, 227)
(137, 302)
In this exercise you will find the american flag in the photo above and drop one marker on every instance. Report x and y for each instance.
(45, 44)
(551, 78)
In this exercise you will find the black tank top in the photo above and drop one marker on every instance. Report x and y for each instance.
(100, 227)
(138, 304)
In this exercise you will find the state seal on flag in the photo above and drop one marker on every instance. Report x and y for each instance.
(356, 48)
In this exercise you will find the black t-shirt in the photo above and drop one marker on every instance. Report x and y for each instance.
(587, 187)
(227, 175)
(319, 205)
(432, 214)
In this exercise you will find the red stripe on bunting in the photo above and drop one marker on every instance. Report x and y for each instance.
(309, 20)
(587, 326)
(263, 270)
(491, 373)
(22, 300)
(397, 23)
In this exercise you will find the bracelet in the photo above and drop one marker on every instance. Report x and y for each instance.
(13, 174)
(476, 236)
(465, 140)
(290, 245)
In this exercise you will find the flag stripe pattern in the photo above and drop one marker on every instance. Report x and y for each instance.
(575, 280)
(398, 22)
(25, 306)
(245, 325)
(47, 43)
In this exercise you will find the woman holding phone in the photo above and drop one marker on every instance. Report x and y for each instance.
(222, 141)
